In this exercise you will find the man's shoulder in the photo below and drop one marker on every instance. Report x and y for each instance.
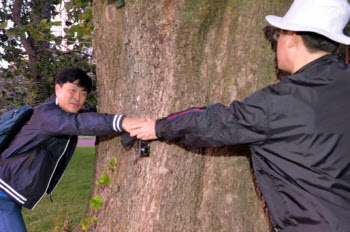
(282, 87)
(47, 106)
(46, 110)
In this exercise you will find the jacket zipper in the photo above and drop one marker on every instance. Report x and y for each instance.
(53, 172)
(50, 194)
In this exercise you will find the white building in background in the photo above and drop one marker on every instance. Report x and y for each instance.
(62, 17)
(3, 64)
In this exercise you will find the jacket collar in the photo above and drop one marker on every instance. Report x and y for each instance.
(320, 61)
(315, 70)
(52, 99)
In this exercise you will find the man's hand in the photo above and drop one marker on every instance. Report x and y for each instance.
(130, 122)
(145, 130)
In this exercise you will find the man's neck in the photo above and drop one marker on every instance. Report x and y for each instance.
(306, 59)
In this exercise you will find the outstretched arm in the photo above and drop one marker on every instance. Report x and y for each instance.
(212, 126)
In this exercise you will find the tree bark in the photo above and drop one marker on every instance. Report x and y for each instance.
(158, 57)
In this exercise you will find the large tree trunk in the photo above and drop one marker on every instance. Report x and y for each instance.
(157, 57)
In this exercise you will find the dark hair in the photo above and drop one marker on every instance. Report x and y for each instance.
(73, 74)
(316, 42)
(271, 34)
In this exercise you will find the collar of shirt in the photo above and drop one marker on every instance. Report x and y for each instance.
(314, 72)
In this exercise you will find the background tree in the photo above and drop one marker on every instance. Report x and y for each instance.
(35, 53)
(158, 57)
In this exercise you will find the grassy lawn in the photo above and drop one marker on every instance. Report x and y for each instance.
(86, 137)
(70, 198)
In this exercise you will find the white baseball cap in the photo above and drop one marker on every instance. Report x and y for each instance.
(324, 17)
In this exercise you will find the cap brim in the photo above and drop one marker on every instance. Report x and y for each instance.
(279, 22)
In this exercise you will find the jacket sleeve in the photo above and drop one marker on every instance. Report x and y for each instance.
(216, 125)
(57, 122)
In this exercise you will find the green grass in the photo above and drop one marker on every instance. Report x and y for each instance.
(70, 198)
(86, 137)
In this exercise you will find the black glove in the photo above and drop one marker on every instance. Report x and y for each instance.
(127, 140)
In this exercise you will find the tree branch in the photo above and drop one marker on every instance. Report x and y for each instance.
(16, 17)
(47, 50)
(60, 52)
(75, 51)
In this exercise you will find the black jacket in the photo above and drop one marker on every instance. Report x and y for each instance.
(299, 133)
(48, 141)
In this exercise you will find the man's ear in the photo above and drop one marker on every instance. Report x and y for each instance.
(57, 88)
(292, 38)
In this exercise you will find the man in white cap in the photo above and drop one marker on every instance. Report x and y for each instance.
(298, 129)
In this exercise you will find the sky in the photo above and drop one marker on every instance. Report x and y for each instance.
(3, 64)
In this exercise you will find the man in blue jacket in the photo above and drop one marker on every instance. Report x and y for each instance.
(35, 160)
(298, 130)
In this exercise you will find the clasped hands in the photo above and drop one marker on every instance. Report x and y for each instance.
(142, 128)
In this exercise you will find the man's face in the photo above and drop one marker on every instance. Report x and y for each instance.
(70, 96)
(282, 51)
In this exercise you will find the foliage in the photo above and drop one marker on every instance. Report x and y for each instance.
(111, 164)
(12, 90)
(103, 180)
(89, 221)
(97, 201)
(35, 53)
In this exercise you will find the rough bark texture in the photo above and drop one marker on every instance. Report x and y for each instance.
(158, 57)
